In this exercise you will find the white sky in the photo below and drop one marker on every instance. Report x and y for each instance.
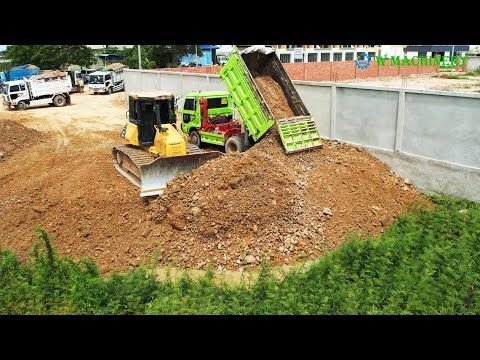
(3, 47)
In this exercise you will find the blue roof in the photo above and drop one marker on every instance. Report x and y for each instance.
(209, 47)
(110, 56)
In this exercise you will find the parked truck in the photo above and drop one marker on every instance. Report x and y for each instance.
(50, 88)
(108, 80)
(208, 116)
(77, 81)
(19, 72)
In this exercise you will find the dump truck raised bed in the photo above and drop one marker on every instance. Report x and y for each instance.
(298, 132)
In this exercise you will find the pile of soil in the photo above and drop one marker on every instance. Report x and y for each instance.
(273, 96)
(233, 213)
(49, 74)
(120, 100)
(16, 137)
(264, 205)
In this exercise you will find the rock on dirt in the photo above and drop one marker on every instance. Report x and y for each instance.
(327, 211)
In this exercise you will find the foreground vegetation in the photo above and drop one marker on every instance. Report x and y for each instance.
(427, 263)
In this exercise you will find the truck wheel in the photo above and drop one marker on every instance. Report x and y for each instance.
(234, 144)
(195, 138)
(59, 100)
(21, 105)
(110, 90)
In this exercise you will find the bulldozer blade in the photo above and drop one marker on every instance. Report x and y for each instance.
(155, 175)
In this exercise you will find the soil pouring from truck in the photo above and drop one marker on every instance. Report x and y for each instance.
(108, 80)
(49, 87)
(298, 132)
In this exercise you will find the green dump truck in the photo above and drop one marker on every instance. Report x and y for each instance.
(298, 132)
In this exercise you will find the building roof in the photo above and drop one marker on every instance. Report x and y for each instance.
(435, 48)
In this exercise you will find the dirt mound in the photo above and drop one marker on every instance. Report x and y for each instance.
(48, 74)
(120, 100)
(16, 136)
(264, 205)
(232, 213)
(274, 96)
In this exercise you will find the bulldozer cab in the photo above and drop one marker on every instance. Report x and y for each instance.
(149, 110)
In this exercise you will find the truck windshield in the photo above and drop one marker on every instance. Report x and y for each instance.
(96, 79)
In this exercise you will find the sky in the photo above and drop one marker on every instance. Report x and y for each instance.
(3, 47)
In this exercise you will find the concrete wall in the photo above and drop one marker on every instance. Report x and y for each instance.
(431, 137)
(473, 63)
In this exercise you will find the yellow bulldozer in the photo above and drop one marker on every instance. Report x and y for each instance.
(156, 151)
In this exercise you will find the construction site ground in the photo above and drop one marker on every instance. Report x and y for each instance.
(440, 81)
(234, 213)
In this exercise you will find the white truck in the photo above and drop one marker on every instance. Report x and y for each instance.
(52, 88)
(107, 80)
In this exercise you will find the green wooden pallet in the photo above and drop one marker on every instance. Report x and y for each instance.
(298, 134)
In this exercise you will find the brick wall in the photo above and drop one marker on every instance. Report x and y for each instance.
(346, 70)
(329, 71)
(198, 70)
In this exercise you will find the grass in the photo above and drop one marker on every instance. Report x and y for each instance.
(475, 73)
(427, 263)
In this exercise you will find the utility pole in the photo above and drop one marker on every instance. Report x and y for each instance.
(139, 58)
(196, 56)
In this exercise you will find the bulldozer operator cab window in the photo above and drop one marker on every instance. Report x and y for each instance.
(146, 134)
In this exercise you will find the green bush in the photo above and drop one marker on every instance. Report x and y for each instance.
(427, 263)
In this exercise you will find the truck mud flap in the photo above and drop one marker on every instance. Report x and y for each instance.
(298, 134)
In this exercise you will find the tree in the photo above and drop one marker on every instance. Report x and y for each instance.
(130, 57)
(158, 56)
(50, 56)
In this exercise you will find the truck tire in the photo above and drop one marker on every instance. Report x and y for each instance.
(195, 138)
(234, 144)
(110, 91)
(22, 105)
(59, 100)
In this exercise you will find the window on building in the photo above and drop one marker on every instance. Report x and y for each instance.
(422, 53)
(312, 57)
(349, 56)
(293, 46)
(325, 57)
(321, 46)
(337, 56)
(371, 54)
(298, 60)
(285, 58)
